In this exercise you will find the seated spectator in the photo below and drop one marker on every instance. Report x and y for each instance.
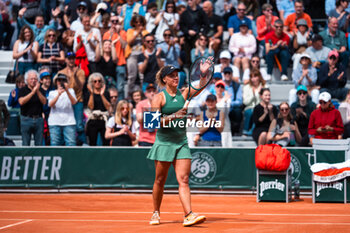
(211, 136)
(133, 49)
(146, 136)
(61, 120)
(203, 48)
(120, 129)
(32, 98)
(215, 28)
(76, 80)
(332, 77)
(301, 111)
(264, 25)
(284, 130)
(224, 104)
(98, 105)
(13, 97)
(290, 23)
(106, 62)
(317, 51)
(325, 122)
(344, 109)
(263, 115)
(243, 46)
(305, 74)
(234, 91)
(285, 8)
(301, 41)
(235, 21)
(51, 53)
(340, 13)
(169, 20)
(4, 120)
(87, 39)
(224, 61)
(39, 28)
(150, 61)
(113, 95)
(153, 18)
(117, 34)
(254, 64)
(170, 48)
(251, 98)
(25, 50)
(277, 48)
(252, 8)
(335, 39)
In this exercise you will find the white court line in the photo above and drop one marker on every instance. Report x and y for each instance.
(15, 224)
(148, 212)
(220, 222)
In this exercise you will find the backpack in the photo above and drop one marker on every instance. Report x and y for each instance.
(272, 157)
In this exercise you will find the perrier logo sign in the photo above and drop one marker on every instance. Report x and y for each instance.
(270, 185)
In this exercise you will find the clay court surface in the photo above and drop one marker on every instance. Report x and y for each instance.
(104, 213)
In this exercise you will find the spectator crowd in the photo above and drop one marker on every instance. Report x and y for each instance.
(87, 68)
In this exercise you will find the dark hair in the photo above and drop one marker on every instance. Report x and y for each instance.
(256, 72)
(278, 21)
(263, 90)
(21, 34)
(147, 35)
(168, 3)
(299, 1)
(19, 79)
(152, 5)
(169, 31)
(337, 3)
(136, 18)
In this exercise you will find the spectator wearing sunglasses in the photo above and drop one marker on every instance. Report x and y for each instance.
(76, 9)
(325, 121)
(332, 77)
(301, 110)
(150, 61)
(113, 95)
(117, 34)
(51, 53)
(235, 21)
(304, 74)
(254, 64)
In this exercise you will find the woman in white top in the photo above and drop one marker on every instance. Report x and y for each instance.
(223, 104)
(61, 120)
(170, 20)
(243, 46)
(251, 98)
(25, 50)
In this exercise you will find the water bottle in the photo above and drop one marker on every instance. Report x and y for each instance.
(297, 190)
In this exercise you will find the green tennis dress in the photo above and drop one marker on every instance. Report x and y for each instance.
(171, 140)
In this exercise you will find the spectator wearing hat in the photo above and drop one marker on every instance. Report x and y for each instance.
(75, 9)
(317, 51)
(243, 45)
(325, 122)
(335, 39)
(304, 74)
(211, 136)
(76, 81)
(290, 27)
(39, 28)
(225, 61)
(146, 136)
(277, 48)
(332, 77)
(301, 110)
(235, 20)
(203, 48)
(32, 98)
(341, 14)
(234, 92)
(301, 41)
(251, 98)
(150, 61)
(77, 24)
(61, 121)
(101, 17)
(116, 33)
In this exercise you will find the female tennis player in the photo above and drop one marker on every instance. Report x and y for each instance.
(171, 145)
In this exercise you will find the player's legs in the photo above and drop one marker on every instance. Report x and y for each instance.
(182, 169)
(162, 169)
